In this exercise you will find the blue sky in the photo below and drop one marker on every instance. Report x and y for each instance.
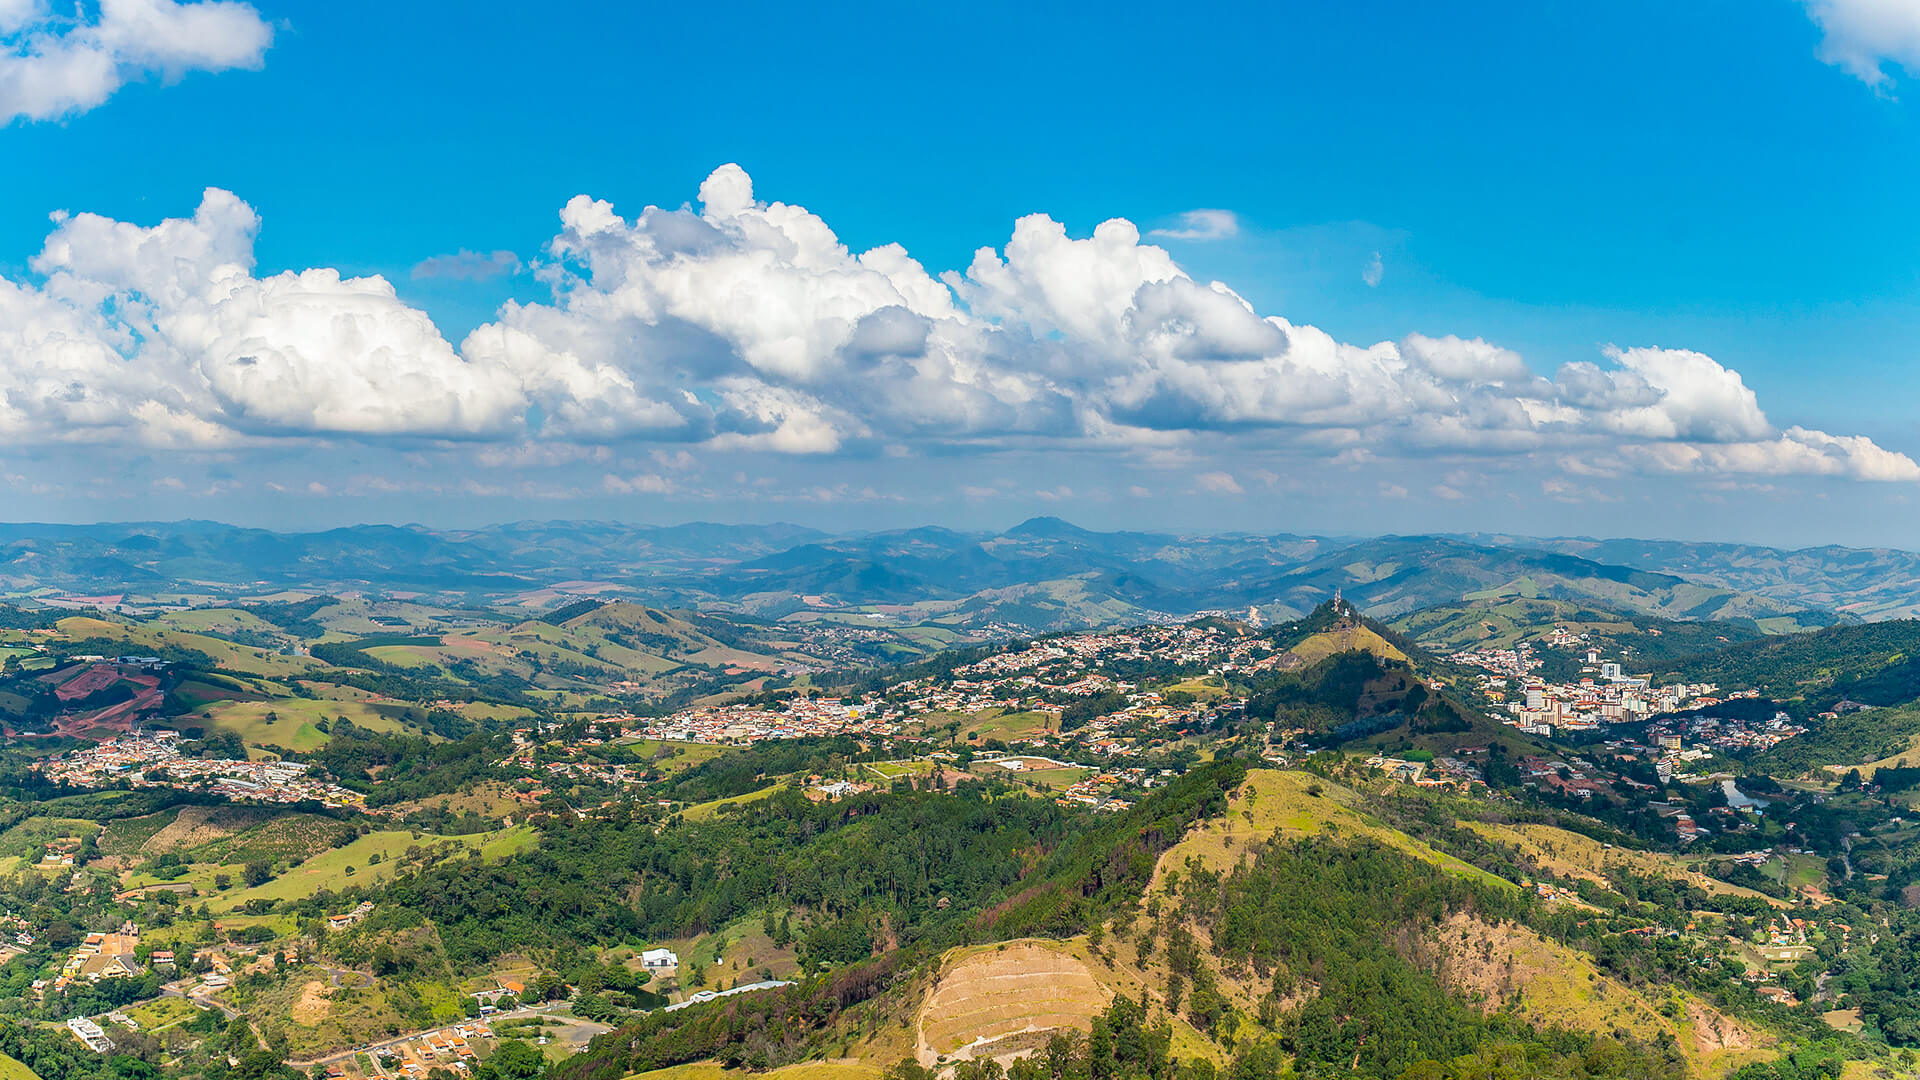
(1524, 185)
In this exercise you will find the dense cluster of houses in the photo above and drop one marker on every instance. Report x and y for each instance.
(1605, 693)
(796, 718)
(153, 759)
(103, 956)
(451, 1048)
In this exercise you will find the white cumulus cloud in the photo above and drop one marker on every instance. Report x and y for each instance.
(748, 326)
(1219, 483)
(169, 324)
(1863, 36)
(56, 63)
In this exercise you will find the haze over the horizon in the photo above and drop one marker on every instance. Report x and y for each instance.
(1643, 271)
(1039, 524)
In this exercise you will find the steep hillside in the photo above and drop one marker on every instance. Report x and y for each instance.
(1293, 820)
(1290, 805)
(1288, 924)
(992, 999)
(1344, 680)
(1876, 663)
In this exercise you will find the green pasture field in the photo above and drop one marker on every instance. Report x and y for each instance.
(336, 869)
(295, 727)
(706, 810)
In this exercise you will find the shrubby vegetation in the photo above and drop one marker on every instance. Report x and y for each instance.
(409, 766)
(846, 863)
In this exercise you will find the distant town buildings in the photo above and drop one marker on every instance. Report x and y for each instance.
(153, 759)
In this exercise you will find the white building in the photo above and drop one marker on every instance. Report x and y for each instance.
(655, 959)
(89, 1032)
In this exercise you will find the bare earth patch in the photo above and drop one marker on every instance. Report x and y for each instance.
(1021, 988)
(313, 1006)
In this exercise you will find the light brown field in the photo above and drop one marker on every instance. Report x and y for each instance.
(312, 1007)
(1003, 990)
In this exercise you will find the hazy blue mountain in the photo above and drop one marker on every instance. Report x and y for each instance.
(1043, 574)
(1868, 583)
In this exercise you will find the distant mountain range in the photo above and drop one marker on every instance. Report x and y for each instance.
(1044, 574)
(1865, 583)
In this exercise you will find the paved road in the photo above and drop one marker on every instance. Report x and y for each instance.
(178, 989)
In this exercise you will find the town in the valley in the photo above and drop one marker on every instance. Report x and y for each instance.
(1092, 720)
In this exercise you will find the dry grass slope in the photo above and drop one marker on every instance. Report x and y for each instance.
(1584, 858)
(1285, 802)
(831, 1069)
(1320, 646)
(1509, 966)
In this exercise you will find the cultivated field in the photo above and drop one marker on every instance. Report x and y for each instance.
(894, 770)
(35, 831)
(705, 810)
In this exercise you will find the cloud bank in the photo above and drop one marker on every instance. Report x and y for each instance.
(737, 324)
(55, 64)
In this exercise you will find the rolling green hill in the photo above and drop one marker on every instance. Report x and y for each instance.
(1874, 663)
(1501, 623)
(1040, 576)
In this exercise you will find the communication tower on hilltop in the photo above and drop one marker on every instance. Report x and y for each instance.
(1345, 613)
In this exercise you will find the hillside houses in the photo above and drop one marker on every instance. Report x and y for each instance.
(350, 918)
(153, 759)
(103, 956)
